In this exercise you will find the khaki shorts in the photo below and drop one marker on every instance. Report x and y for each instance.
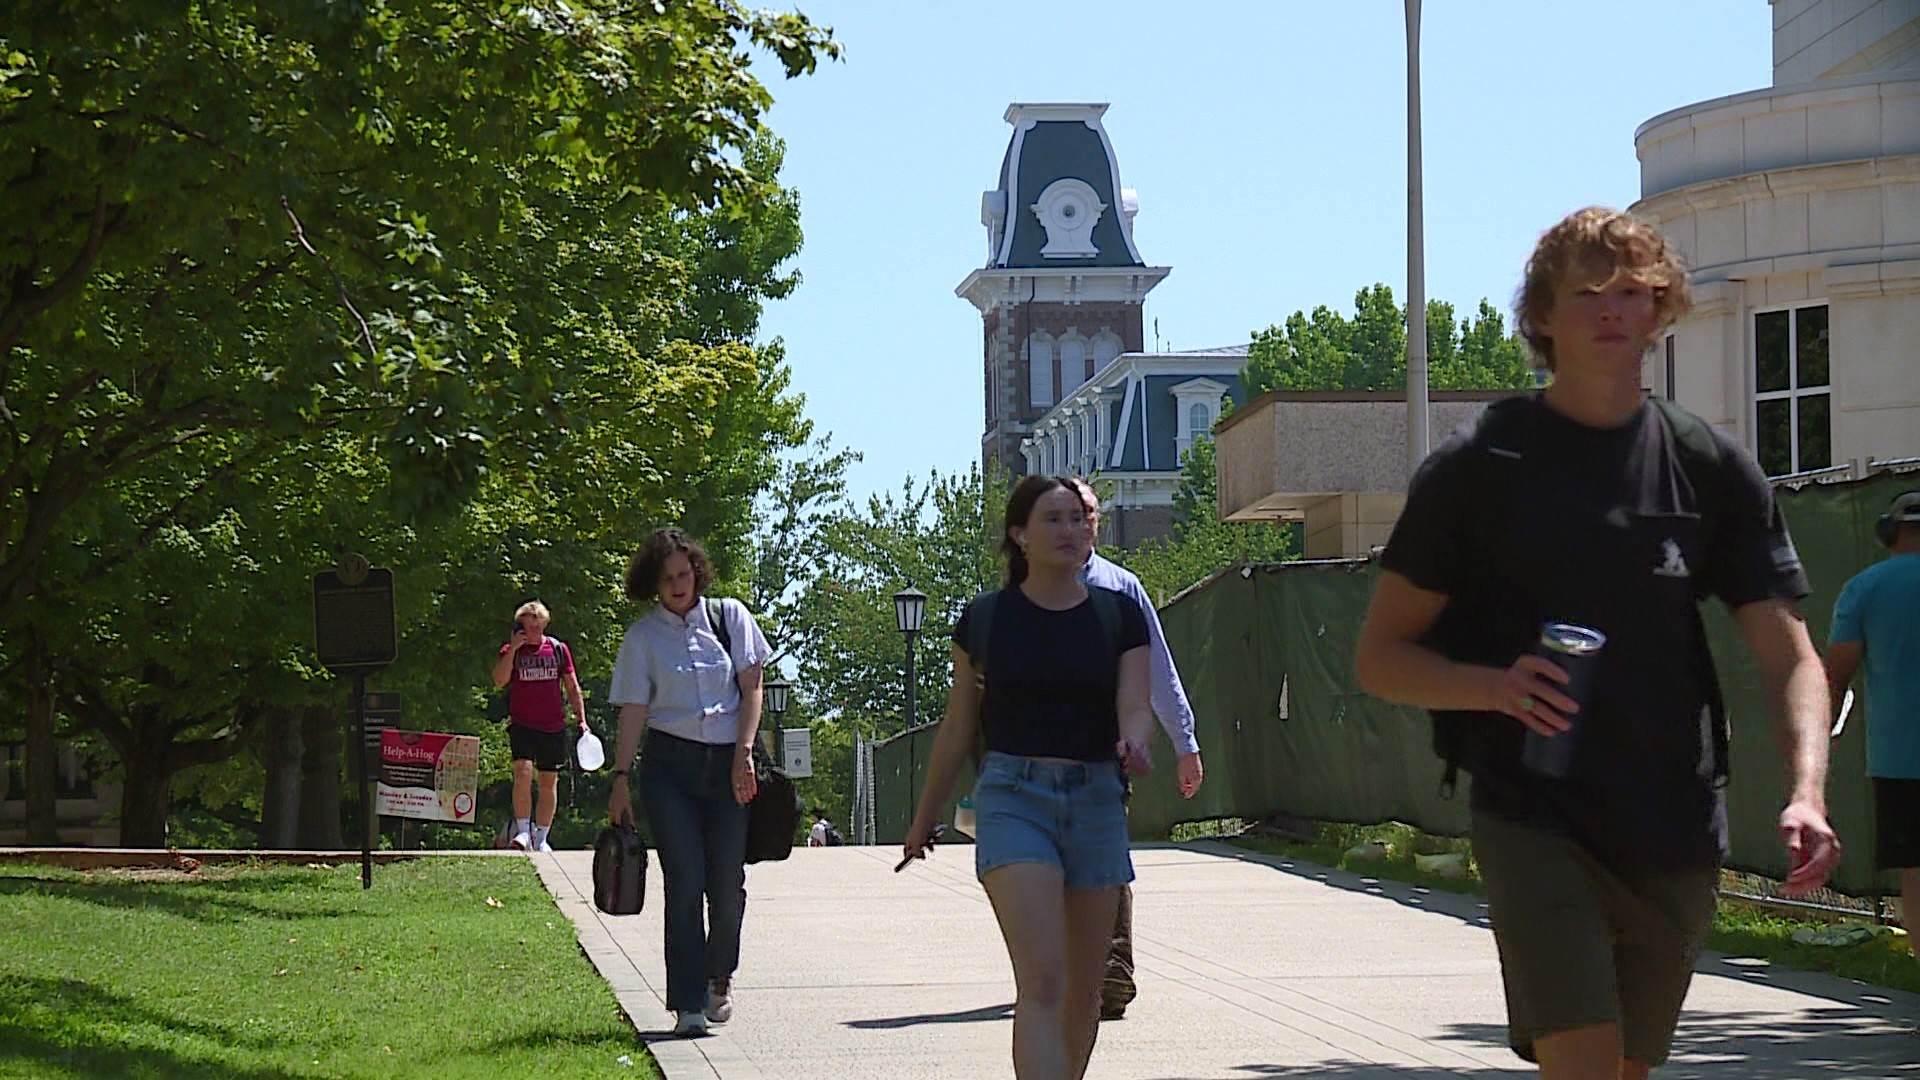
(1581, 945)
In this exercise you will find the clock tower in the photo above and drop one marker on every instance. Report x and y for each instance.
(1060, 295)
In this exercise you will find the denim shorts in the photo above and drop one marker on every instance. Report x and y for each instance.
(1071, 815)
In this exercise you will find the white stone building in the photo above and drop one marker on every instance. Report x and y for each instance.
(1798, 208)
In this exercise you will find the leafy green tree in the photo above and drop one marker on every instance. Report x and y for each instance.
(643, 428)
(1325, 350)
(263, 219)
(1202, 545)
(940, 536)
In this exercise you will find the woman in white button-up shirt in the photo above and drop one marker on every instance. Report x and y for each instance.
(698, 703)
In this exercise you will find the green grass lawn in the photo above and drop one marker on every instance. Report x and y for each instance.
(1738, 929)
(449, 967)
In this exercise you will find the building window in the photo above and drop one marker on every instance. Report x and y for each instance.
(1040, 371)
(1668, 385)
(1792, 391)
(1073, 362)
(1199, 421)
(1105, 348)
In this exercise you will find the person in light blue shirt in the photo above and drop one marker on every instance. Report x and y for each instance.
(1176, 716)
(688, 677)
(1875, 626)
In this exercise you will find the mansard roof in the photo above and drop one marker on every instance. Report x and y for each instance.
(1059, 171)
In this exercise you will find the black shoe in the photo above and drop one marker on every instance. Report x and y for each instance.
(1112, 1012)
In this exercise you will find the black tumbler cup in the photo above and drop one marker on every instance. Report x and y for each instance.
(1576, 649)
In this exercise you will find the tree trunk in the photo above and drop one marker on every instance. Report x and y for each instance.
(320, 780)
(43, 752)
(146, 796)
(280, 806)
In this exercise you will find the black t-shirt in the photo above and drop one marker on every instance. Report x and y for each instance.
(1053, 676)
(1606, 529)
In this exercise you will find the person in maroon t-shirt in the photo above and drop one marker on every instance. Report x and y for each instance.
(533, 667)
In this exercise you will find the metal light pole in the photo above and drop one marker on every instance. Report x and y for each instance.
(1416, 257)
(909, 612)
(774, 693)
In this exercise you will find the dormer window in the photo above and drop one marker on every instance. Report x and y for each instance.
(1199, 402)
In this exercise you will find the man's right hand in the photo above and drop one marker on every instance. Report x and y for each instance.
(620, 802)
(519, 638)
(1529, 691)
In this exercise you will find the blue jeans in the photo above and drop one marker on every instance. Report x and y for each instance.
(700, 834)
(1072, 815)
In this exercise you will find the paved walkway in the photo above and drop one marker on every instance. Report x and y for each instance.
(1250, 967)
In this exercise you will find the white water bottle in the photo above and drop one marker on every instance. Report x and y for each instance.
(589, 753)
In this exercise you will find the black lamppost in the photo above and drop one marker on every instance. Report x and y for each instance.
(774, 695)
(909, 611)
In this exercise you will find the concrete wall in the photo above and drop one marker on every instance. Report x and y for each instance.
(1286, 452)
(1350, 526)
(1826, 39)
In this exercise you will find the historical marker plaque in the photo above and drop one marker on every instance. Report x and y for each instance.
(353, 623)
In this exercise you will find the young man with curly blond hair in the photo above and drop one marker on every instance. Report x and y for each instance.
(1589, 504)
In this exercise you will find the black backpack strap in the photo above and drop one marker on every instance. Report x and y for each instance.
(979, 626)
(1703, 462)
(1501, 439)
(1106, 605)
(717, 618)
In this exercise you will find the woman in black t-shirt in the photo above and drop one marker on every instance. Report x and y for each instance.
(1065, 716)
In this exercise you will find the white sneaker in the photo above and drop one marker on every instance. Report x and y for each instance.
(689, 1023)
(719, 1000)
(521, 842)
(544, 846)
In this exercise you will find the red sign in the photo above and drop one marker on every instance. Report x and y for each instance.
(428, 776)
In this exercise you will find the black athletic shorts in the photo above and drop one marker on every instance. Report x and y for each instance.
(1896, 823)
(546, 749)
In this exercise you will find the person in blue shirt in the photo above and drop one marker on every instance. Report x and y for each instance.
(1176, 716)
(1874, 626)
(687, 682)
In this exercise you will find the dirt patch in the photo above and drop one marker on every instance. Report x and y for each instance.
(152, 873)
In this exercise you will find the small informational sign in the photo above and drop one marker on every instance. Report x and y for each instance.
(428, 776)
(796, 751)
(382, 711)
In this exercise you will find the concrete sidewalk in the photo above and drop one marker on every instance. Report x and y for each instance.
(1250, 967)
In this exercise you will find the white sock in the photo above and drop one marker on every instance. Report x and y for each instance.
(522, 824)
(540, 834)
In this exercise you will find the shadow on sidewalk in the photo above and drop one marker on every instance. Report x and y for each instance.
(1877, 1001)
(971, 1016)
(1709, 1046)
(1466, 907)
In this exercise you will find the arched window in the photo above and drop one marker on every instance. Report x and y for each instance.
(1199, 420)
(1105, 348)
(1074, 368)
(1040, 370)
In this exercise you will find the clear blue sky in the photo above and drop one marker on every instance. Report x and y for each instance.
(1266, 139)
